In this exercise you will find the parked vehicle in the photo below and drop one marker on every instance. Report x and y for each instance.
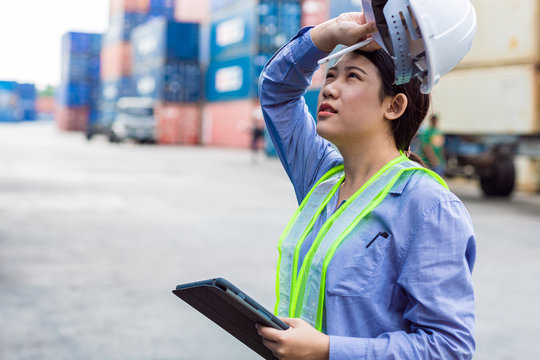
(134, 120)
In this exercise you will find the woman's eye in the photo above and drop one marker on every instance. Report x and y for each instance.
(329, 76)
(354, 76)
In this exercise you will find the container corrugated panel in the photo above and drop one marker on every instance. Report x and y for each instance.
(255, 27)
(508, 32)
(315, 12)
(492, 100)
(77, 42)
(190, 10)
(163, 8)
(73, 94)
(27, 100)
(121, 26)
(341, 6)
(178, 123)
(220, 4)
(160, 39)
(227, 124)
(175, 81)
(116, 60)
(122, 6)
(71, 118)
(232, 79)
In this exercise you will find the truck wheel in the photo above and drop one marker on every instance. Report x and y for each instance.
(501, 180)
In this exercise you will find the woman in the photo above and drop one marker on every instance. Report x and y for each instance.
(377, 261)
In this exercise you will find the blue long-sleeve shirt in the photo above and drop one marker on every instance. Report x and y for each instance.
(408, 296)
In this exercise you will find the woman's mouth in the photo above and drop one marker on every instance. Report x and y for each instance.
(326, 109)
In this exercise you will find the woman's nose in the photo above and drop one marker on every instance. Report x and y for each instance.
(330, 90)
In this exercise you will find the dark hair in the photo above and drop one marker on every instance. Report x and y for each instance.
(405, 127)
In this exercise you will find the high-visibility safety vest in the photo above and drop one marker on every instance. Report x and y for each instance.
(300, 293)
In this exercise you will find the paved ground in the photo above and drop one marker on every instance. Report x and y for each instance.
(94, 236)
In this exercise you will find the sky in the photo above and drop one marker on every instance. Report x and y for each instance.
(31, 33)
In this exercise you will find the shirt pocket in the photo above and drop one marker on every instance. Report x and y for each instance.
(357, 268)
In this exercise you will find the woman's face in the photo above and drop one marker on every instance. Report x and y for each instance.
(350, 107)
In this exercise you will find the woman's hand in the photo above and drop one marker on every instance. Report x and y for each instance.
(299, 342)
(347, 29)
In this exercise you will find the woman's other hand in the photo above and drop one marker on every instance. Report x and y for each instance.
(347, 29)
(299, 342)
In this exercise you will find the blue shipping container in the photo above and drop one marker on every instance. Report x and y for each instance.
(338, 7)
(76, 42)
(80, 67)
(254, 27)
(111, 91)
(234, 79)
(160, 40)
(312, 97)
(121, 26)
(27, 101)
(176, 81)
(73, 94)
(220, 4)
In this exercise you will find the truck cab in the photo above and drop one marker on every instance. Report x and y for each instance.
(134, 120)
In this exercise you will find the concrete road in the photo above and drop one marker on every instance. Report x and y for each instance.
(94, 236)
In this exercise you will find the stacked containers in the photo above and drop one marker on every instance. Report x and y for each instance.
(315, 12)
(243, 36)
(78, 92)
(117, 52)
(166, 68)
(495, 89)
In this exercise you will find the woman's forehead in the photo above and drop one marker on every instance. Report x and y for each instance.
(354, 59)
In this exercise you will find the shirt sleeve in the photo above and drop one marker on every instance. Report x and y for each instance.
(436, 279)
(304, 154)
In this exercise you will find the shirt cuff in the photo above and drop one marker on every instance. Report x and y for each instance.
(343, 348)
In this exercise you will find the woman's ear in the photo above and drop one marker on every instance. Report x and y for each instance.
(396, 106)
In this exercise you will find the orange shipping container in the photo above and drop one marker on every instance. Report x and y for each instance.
(192, 11)
(228, 123)
(315, 12)
(121, 6)
(71, 118)
(116, 60)
(178, 123)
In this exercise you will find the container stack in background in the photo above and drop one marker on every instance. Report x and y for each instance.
(495, 90)
(79, 89)
(243, 36)
(17, 101)
(166, 68)
(117, 52)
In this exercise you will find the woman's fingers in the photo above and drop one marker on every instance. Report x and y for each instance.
(347, 29)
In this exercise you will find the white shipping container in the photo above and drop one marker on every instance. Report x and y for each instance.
(508, 32)
(492, 100)
(527, 173)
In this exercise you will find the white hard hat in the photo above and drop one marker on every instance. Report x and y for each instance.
(426, 38)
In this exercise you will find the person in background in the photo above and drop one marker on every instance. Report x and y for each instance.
(376, 263)
(432, 146)
(257, 131)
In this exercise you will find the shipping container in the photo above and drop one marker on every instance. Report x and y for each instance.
(311, 98)
(508, 32)
(129, 6)
(234, 79)
(116, 60)
(338, 7)
(77, 42)
(121, 25)
(27, 101)
(220, 4)
(161, 40)
(111, 91)
(192, 11)
(9, 102)
(252, 27)
(227, 124)
(174, 81)
(164, 8)
(71, 118)
(178, 123)
(491, 100)
(315, 12)
(527, 173)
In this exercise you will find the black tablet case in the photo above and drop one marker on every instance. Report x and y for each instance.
(211, 299)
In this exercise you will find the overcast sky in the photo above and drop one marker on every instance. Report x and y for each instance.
(31, 32)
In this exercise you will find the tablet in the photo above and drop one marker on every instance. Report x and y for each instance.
(231, 309)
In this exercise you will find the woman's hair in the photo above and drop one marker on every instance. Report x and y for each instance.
(405, 127)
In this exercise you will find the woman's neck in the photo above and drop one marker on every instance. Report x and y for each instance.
(361, 162)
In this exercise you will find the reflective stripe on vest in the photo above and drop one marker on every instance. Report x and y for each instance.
(301, 294)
